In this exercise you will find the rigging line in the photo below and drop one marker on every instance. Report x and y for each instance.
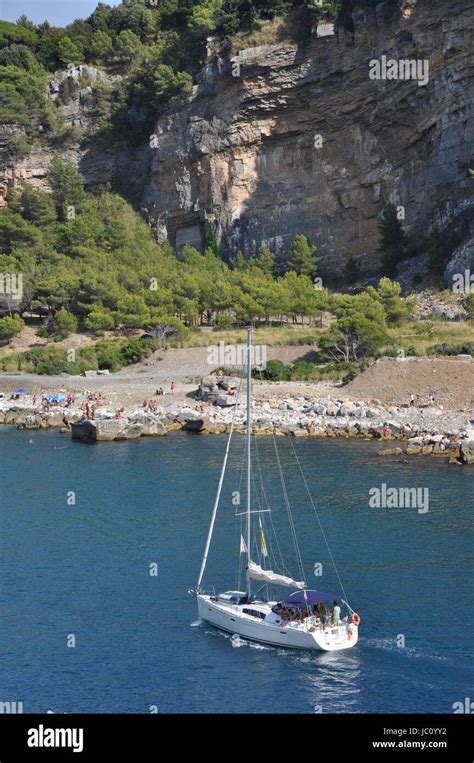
(319, 522)
(288, 508)
(283, 565)
(272, 524)
(240, 553)
(279, 562)
(262, 504)
(240, 457)
(236, 539)
(216, 502)
(256, 533)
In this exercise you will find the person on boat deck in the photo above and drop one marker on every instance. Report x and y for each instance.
(336, 614)
(323, 612)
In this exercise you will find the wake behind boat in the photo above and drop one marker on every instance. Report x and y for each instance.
(305, 619)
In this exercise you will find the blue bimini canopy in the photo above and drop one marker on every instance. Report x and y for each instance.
(297, 598)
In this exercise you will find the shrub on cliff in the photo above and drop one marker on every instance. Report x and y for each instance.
(22, 102)
(9, 327)
(203, 19)
(99, 320)
(16, 232)
(468, 305)
(64, 323)
(275, 370)
(127, 46)
(13, 33)
(452, 349)
(44, 360)
(136, 348)
(111, 354)
(154, 87)
(20, 56)
(34, 206)
(302, 371)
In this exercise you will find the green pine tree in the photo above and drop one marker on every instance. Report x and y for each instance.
(392, 241)
(67, 185)
(438, 253)
(68, 52)
(240, 263)
(212, 242)
(266, 260)
(351, 270)
(302, 257)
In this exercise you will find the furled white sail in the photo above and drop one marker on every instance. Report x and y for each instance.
(255, 572)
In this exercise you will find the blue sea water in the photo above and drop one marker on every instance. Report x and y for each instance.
(83, 569)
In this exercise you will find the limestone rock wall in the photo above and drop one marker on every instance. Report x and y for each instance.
(241, 155)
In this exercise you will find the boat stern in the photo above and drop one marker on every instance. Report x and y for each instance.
(335, 638)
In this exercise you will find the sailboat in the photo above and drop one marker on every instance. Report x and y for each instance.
(302, 619)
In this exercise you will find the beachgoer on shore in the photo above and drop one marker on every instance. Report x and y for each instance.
(172, 387)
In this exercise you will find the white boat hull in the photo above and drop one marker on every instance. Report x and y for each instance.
(232, 619)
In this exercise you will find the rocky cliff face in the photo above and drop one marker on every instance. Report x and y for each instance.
(284, 140)
(244, 155)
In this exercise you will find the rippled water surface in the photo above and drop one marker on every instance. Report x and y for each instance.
(83, 569)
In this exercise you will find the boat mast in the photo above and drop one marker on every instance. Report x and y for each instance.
(249, 398)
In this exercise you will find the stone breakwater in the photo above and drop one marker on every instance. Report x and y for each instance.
(401, 430)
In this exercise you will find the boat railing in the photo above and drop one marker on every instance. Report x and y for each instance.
(313, 623)
(208, 591)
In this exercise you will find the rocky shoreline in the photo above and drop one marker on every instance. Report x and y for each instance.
(402, 430)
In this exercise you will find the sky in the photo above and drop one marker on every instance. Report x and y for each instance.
(57, 12)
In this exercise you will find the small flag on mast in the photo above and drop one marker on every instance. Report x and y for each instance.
(263, 544)
(243, 545)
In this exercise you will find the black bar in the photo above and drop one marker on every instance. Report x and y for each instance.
(341, 737)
